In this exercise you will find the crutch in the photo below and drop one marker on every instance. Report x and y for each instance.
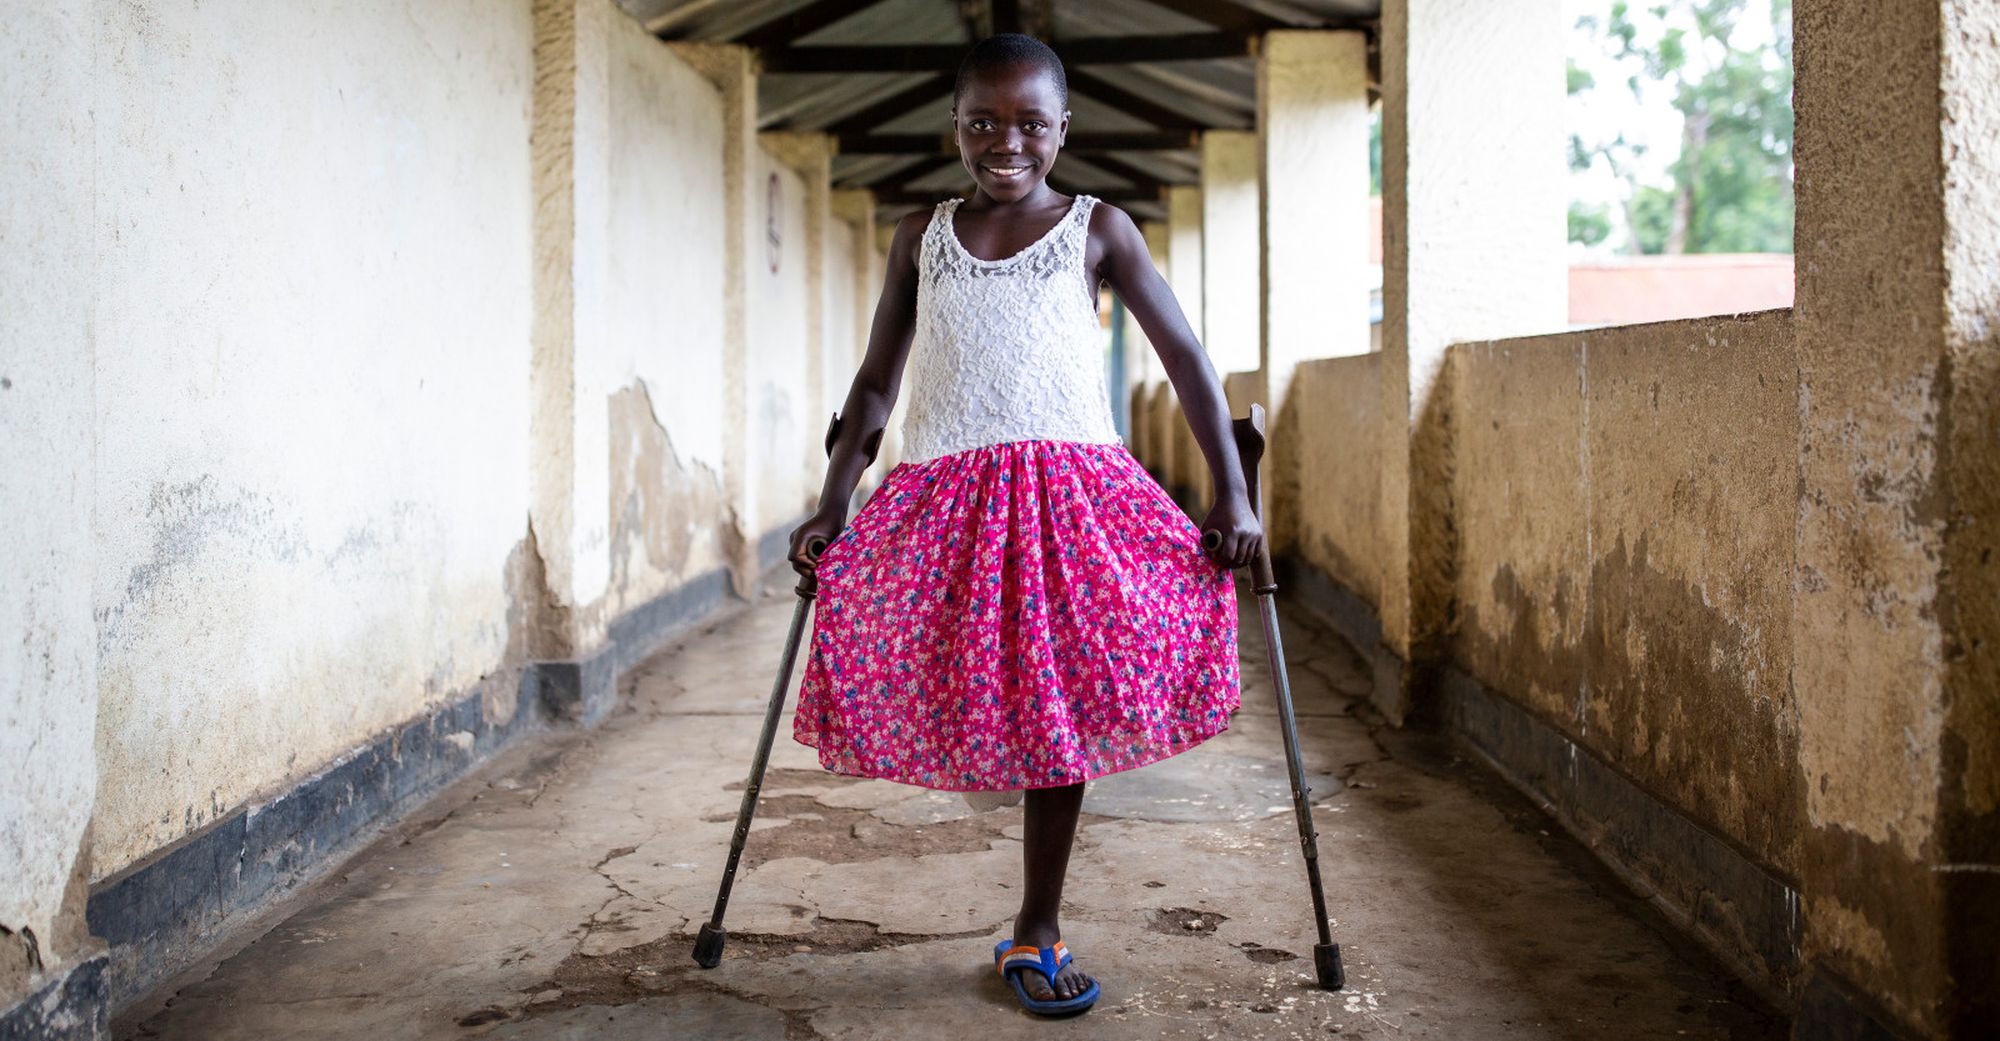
(1249, 432)
(708, 945)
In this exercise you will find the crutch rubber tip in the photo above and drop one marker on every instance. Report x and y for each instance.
(708, 945)
(1326, 959)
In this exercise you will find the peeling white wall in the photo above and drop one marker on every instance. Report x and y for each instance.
(48, 660)
(665, 323)
(666, 237)
(311, 412)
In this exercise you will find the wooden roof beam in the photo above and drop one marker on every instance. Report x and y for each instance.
(1138, 178)
(897, 104)
(805, 21)
(1222, 14)
(1110, 50)
(1135, 105)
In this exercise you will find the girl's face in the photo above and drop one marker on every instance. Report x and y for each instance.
(1009, 123)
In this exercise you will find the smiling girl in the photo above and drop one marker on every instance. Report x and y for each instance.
(1019, 606)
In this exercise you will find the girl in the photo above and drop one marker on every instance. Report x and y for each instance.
(1019, 606)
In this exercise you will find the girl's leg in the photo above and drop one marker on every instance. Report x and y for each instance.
(1051, 827)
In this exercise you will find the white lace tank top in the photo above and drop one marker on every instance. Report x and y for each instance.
(1005, 350)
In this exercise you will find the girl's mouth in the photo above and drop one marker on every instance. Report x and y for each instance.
(1007, 173)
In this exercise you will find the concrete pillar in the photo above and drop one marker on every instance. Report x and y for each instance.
(1474, 230)
(1231, 246)
(1896, 627)
(729, 67)
(48, 402)
(1312, 120)
(1142, 363)
(1183, 265)
(855, 207)
(569, 439)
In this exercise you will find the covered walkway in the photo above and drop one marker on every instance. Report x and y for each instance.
(404, 406)
(554, 894)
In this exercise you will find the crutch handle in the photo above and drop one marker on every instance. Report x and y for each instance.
(1249, 436)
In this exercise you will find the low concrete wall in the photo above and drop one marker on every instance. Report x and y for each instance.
(1332, 516)
(1622, 504)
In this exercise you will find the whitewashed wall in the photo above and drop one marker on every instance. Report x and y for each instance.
(310, 321)
(48, 661)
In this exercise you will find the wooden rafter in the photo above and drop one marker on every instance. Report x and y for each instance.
(914, 172)
(1111, 50)
(897, 104)
(1097, 88)
(805, 21)
(1222, 14)
(941, 144)
(1006, 16)
(1138, 178)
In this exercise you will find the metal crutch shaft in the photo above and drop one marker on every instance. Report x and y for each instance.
(708, 944)
(1249, 436)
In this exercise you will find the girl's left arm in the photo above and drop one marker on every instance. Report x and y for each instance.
(1124, 263)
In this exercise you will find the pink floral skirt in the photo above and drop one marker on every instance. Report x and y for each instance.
(1023, 615)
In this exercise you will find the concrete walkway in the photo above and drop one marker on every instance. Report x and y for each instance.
(555, 893)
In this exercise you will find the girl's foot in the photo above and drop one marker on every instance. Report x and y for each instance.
(1070, 980)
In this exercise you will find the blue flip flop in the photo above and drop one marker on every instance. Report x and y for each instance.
(1012, 960)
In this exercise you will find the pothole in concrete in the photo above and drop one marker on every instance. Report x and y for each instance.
(1263, 955)
(1184, 921)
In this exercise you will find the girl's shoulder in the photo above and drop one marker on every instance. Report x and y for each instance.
(1109, 226)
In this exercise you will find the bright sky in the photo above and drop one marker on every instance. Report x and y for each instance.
(1600, 113)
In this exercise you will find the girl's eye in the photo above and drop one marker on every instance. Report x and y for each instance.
(981, 126)
(1036, 126)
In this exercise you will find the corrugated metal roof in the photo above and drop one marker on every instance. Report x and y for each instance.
(1115, 96)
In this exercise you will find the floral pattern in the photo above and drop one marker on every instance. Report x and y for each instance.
(1027, 614)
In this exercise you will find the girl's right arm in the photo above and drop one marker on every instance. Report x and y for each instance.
(873, 394)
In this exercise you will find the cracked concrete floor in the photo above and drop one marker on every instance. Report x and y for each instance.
(554, 893)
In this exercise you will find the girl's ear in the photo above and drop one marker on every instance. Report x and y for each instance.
(1062, 132)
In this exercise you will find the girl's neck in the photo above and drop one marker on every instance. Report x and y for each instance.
(1040, 198)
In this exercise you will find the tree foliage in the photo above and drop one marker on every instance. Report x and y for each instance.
(1730, 188)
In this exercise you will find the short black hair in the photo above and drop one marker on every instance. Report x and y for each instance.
(1009, 49)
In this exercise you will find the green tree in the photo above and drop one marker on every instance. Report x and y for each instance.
(1731, 187)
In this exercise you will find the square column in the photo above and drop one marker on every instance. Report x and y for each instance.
(569, 437)
(1312, 117)
(1183, 253)
(1474, 247)
(1230, 246)
(1896, 625)
(1312, 120)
